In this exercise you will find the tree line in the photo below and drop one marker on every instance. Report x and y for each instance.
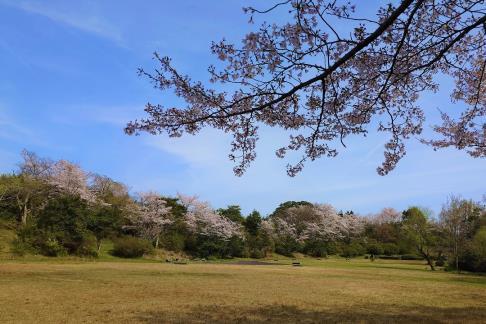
(57, 208)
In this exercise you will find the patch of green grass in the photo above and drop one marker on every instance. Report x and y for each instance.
(327, 290)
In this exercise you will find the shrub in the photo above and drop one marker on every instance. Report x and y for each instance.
(21, 248)
(174, 241)
(390, 249)
(390, 257)
(61, 228)
(88, 246)
(374, 248)
(315, 248)
(352, 250)
(411, 257)
(287, 246)
(51, 247)
(131, 247)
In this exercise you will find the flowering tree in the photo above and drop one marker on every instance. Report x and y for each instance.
(316, 222)
(387, 216)
(34, 166)
(324, 84)
(352, 226)
(70, 178)
(203, 220)
(28, 188)
(459, 218)
(151, 216)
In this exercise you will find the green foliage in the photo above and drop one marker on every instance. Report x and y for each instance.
(208, 246)
(411, 257)
(353, 249)
(474, 256)
(253, 222)
(21, 248)
(374, 248)
(174, 241)
(390, 257)
(44, 219)
(104, 222)
(60, 228)
(439, 263)
(50, 246)
(390, 249)
(316, 248)
(287, 246)
(424, 235)
(131, 247)
(233, 213)
(289, 204)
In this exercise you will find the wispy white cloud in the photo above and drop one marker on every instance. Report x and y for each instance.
(208, 149)
(87, 21)
(12, 130)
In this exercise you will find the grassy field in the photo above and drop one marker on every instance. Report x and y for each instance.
(334, 290)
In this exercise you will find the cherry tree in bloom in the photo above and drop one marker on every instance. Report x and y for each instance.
(352, 225)
(70, 178)
(151, 216)
(35, 166)
(329, 225)
(203, 220)
(325, 73)
(266, 227)
(387, 216)
(284, 229)
(316, 222)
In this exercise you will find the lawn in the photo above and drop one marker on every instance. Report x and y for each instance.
(334, 290)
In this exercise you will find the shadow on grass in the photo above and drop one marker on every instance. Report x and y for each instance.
(292, 314)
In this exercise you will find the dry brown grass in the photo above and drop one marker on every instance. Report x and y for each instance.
(320, 291)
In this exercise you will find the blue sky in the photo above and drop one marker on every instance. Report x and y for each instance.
(68, 85)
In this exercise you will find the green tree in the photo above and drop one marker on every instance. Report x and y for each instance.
(421, 233)
(64, 221)
(289, 204)
(253, 222)
(104, 222)
(460, 218)
(233, 213)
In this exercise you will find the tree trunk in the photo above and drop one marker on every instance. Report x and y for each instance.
(430, 262)
(157, 242)
(24, 209)
(98, 245)
(427, 257)
(24, 215)
(456, 255)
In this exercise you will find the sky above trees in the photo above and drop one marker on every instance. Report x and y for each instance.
(69, 85)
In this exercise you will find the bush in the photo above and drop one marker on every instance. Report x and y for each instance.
(21, 248)
(439, 263)
(411, 257)
(61, 228)
(88, 246)
(374, 248)
(352, 250)
(474, 256)
(390, 249)
(315, 248)
(174, 241)
(131, 247)
(51, 247)
(390, 257)
(287, 246)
